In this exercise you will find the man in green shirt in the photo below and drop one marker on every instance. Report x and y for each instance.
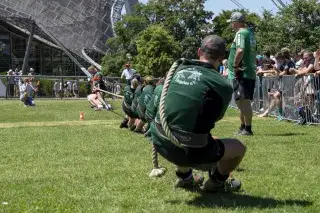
(129, 91)
(152, 106)
(242, 70)
(144, 99)
(197, 98)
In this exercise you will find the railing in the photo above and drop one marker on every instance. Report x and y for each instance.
(56, 86)
(288, 98)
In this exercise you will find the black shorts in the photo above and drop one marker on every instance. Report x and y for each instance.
(141, 113)
(243, 88)
(128, 111)
(190, 157)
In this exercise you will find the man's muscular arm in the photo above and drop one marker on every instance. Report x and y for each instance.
(238, 58)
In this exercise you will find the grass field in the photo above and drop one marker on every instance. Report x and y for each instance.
(52, 162)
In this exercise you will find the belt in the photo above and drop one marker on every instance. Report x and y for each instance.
(187, 139)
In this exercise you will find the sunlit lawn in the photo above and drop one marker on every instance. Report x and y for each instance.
(50, 161)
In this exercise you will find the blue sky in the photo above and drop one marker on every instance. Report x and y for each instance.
(253, 5)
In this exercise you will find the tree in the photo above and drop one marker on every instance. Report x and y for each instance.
(299, 23)
(157, 50)
(223, 28)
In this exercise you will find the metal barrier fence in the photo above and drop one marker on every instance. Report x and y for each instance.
(288, 98)
(56, 86)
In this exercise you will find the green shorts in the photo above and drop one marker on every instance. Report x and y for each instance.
(134, 110)
(188, 157)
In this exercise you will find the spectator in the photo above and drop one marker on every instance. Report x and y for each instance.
(266, 68)
(299, 60)
(308, 65)
(69, 88)
(283, 64)
(225, 70)
(56, 89)
(11, 83)
(128, 73)
(75, 88)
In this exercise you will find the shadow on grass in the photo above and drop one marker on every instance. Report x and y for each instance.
(286, 134)
(240, 200)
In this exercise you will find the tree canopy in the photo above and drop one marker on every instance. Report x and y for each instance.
(160, 31)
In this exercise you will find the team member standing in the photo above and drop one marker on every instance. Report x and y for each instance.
(242, 70)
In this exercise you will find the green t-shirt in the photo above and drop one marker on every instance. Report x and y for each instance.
(197, 98)
(146, 96)
(152, 106)
(245, 40)
(137, 94)
(128, 94)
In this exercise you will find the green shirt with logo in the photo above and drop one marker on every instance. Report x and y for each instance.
(146, 96)
(245, 40)
(197, 98)
(128, 95)
(136, 99)
(152, 106)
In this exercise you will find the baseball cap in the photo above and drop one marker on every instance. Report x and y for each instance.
(213, 45)
(236, 17)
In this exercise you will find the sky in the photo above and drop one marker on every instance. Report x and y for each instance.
(252, 5)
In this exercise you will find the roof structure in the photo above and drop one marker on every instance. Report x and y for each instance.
(76, 25)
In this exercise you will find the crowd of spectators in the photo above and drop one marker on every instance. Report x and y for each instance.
(288, 79)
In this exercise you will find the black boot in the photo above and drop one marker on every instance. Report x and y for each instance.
(124, 123)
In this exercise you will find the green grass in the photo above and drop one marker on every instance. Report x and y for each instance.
(52, 162)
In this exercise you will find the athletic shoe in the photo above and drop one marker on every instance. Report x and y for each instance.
(123, 125)
(139, 131)
(193, 182)
(230, 185)
(239, 131)
(245, 133)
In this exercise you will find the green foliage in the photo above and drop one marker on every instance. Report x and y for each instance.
(223, 28)
(157, 50)
(296, 26)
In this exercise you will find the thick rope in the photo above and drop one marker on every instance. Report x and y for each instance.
(163, 120)
(156, 171)
(155, 158)
(110, 93)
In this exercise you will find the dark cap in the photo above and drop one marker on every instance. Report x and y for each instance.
(213, 45)
(236, 17)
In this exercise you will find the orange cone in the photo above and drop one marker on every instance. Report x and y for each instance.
(81, 116)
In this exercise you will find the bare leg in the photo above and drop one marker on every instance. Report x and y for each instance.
(247, 112)
(140, 125)
(234, 152)
(242, 120)
(131, 122)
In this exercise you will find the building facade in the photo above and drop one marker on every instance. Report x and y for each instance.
(72, 25)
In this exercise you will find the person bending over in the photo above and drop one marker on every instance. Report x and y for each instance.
(135, 103)
(145, 98)
(198, 97)
(130, 118)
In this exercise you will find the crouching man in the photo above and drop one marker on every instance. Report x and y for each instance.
(197, 97)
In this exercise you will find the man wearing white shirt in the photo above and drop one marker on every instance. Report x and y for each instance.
(128, 73)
